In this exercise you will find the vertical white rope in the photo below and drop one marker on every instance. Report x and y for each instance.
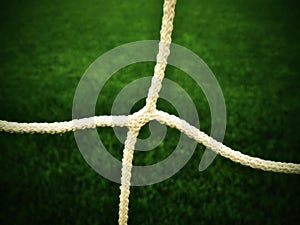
(159, 70)
(163, 53)
(126, 175)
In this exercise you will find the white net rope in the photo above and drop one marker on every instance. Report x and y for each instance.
(135, 121)
(163, 118)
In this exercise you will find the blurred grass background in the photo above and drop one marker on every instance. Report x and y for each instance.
(251, 46)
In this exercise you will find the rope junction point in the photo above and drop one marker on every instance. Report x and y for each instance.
(141, 118)
(135, 121)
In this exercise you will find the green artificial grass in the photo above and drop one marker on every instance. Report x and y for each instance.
(251, 46)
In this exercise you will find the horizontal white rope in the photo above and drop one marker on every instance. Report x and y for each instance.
(162, 117)
(62, 127)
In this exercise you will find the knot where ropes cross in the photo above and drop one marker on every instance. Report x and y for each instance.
(148, 113)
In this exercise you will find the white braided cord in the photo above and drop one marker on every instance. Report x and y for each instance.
(163, 118)
(223, 150)
(135, 121)
(156, 83)
(62, 127)
(126, 175)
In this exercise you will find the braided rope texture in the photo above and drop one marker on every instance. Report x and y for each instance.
(140, 120)
(135, 121)
(161, 117)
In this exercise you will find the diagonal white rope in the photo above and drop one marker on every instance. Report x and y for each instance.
(135, 121)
